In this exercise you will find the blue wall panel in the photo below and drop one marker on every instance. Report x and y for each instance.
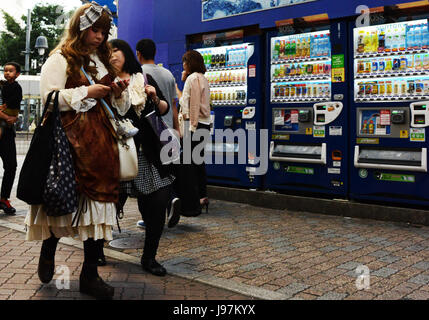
(168, 21)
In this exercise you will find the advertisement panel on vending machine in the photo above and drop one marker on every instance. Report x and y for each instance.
(233, 64)
(306, 114)
(390, 107)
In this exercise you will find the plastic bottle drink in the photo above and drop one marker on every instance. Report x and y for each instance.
(374, 41)
(388, 44)
(410, 37)
(395, 40)
(315, 47)
(287, 50)
(367, 42)
(282, 49)
(418, 37)
(276, 51)
(298, 48)
(293, 50)
(381, 41)
(402, 39)
(361, 45)
(425, 36)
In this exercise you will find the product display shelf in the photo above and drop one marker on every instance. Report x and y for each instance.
(318, 59)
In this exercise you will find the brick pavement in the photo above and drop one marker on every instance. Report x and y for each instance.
(273, 254)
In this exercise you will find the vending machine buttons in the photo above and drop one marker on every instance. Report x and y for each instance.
(248, 113)
(325, 113)
(398, 116)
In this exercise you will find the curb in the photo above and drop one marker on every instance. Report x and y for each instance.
(340, 207)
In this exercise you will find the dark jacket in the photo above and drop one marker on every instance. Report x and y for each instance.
(146, 137)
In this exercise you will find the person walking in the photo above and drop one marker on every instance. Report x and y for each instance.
(93, 146)
(11, 93)
(146, 51)
(191, 182)
(152, 186)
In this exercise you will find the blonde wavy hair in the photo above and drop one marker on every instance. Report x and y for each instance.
(73, 48)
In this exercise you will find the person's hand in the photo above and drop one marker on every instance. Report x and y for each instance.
(11, 120)
(119, 87)
(150, 91)
(98, 91)
(2, 107)
(184, 75)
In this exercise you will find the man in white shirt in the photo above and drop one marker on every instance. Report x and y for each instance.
(145, 51)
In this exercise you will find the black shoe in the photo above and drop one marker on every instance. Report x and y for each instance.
(7, 208)
(46, 269)
(175, 210)
(90, 283)
(150, 265)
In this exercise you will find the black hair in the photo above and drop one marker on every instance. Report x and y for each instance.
(131, 65)
(195, 61)
(147, 49)
(16, 65)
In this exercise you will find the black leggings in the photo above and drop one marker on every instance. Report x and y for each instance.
(8, 156)
(152, 208)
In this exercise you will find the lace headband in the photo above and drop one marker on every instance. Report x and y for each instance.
(92, 14)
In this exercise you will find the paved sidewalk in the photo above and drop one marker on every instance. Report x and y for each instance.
(273, 254)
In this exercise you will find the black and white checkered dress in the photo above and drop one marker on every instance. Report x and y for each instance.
(147, 181)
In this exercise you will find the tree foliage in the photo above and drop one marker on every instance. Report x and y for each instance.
(46, 20)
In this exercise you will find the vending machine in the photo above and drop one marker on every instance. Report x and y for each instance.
(233, 66)
(307, 109)
(390, 111)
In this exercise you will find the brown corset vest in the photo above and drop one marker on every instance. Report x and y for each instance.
(94, 148)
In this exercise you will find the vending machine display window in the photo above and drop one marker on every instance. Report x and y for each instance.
(301, 67)
(374, 122)
(227, 73)
(392, 62)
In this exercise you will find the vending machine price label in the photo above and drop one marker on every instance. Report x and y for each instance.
(385, 117)
(294, 116)
(337, 61)
(417, 134)
(308, 131)
(319, 131)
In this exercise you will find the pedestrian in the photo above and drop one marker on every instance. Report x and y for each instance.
(93, 146)
(11, 93)
(146, 51)
(191, 182)
(152, 186)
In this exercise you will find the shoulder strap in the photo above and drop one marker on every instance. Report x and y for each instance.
(104, 103)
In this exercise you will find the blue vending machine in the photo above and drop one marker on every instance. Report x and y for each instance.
(390, 110)
(233, 61)
(307, 109)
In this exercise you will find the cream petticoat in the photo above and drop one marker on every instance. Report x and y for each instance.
(96, 222)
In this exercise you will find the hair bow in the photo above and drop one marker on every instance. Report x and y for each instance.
(92, 14)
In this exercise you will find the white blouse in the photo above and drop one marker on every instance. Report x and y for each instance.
(54, 77)
(135, 93)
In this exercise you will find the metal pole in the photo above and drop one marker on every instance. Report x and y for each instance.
(27, 69)
(27, 43)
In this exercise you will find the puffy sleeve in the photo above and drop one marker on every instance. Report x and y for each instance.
(54, 76)
(134, 95)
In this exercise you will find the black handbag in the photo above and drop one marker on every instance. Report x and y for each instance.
(60, 193)
(32, 178)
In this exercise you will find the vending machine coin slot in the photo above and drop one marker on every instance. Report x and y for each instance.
(398, 116)
(304, 115)
(320, 118)
(419, 119)
(228, 121)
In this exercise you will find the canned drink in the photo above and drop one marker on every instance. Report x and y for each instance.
(361, 91)
(315, 90)
(234, 94)
(381, 65)
(396, 64)
(304, 90)
(403, 88)
(374, 66)
(368, 88)
(229, 95)
(217, 95)
(389, 88)
(282, 92)
(276, 92)
(298, 90)
(426, 87)
(382, 88)
(419, 87)
(292, 91)
(396, 88)
(287, 91)
(411, 87)
(374, 89)
(367, 67)
(403, 65)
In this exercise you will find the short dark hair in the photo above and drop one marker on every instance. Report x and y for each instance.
(15, 64)
(147, 49)
(131, 65)
(195, 61)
